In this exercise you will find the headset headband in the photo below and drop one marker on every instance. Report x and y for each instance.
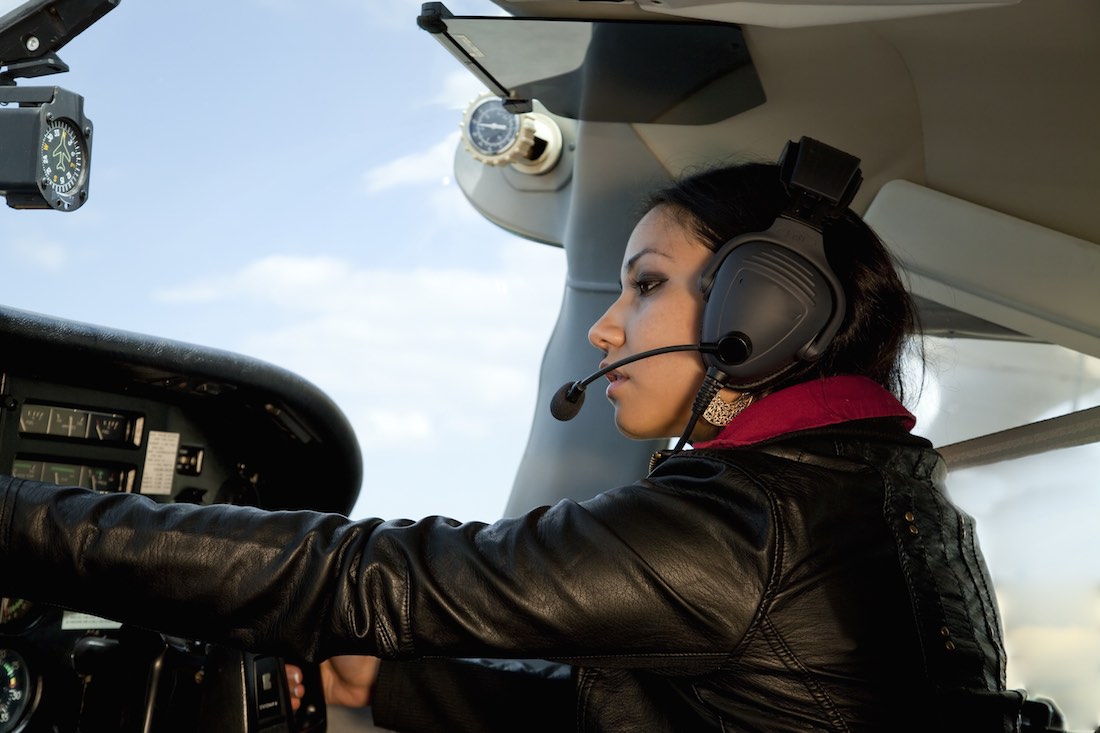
(821, 181)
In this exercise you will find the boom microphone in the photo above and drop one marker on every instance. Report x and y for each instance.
(568, 400)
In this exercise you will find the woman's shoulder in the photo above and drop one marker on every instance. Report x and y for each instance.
(818, 466)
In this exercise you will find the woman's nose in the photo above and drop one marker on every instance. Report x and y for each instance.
(606, 332)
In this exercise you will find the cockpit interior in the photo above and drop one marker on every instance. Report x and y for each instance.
(978, 127)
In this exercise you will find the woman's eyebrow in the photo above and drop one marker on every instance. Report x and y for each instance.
(629, 264)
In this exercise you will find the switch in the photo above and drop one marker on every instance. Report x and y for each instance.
(189, 460)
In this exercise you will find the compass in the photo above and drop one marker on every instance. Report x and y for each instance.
(63, 159)
(492, 131)
(529, 142)
(47, 146)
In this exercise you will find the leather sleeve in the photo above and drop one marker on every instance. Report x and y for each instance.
(474, 696)
(625, 579)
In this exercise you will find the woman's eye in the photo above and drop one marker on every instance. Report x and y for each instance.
(646, 285)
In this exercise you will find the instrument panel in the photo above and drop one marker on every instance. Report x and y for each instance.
(114, 411)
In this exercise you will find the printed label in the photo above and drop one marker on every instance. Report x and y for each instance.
(160, 462)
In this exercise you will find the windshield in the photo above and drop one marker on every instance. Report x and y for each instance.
(1036, 515)
(6, 6)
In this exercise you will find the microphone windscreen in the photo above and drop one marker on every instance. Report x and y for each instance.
(564, 408)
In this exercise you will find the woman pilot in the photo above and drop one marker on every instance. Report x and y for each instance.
(800, 568)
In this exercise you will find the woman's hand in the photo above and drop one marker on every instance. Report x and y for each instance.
(294, 685)
(345, 680)
(349, 680)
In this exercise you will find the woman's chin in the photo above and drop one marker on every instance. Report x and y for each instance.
(636, 431)
(628, 429)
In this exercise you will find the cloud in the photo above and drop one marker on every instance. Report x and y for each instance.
(448, 318)
(42, 254)
(458, 89)
(431, 364)
(433, 165)
(391, 15)
(301, 285)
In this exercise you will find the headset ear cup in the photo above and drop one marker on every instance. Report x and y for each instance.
(771, 298)
(766, 309)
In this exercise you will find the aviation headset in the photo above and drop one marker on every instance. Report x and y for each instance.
(771, 300)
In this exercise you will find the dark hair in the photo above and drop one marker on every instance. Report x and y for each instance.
(722, 203)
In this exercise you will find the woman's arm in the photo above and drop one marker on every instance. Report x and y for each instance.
(627, 578)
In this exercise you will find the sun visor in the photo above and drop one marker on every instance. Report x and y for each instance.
(605, 71)
(995, 267)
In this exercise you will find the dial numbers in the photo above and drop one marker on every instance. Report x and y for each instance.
(15, 690)
(529, 142)
(491, 129)
(62, 159)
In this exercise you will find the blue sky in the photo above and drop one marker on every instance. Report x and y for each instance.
(274, 178)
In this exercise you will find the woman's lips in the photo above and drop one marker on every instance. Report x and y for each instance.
(615, 382)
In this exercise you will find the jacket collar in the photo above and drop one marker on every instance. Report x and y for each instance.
(815, 404)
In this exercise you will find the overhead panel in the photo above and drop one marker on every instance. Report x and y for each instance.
(1010, 272)
(606, 71)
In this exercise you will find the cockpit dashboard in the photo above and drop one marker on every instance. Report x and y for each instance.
(112, 411)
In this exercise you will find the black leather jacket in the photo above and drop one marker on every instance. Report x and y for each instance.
(818, 581)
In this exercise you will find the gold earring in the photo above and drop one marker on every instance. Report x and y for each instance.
(720, 413)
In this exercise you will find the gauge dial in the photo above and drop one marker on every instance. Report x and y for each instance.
(18, 615)
(16, 693)
(12, 610)
(63, 159)
(491, 129)
(530, 142)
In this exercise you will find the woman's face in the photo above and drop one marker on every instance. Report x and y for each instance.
(660, 305)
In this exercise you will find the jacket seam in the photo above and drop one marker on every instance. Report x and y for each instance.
(767, 593)
(584, 688)
(406, 611)
(965, 559)
(780, 648)
(992, 619)
(389, 640)
(906, 560)
(718, 717)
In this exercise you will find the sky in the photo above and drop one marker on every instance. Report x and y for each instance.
(273, 178)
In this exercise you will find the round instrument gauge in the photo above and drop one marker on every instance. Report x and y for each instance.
(489, 128)
(17, 615)
(530, 142)
(62, 164)
(17, 696)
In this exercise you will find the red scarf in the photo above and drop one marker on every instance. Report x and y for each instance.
(814, 404)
